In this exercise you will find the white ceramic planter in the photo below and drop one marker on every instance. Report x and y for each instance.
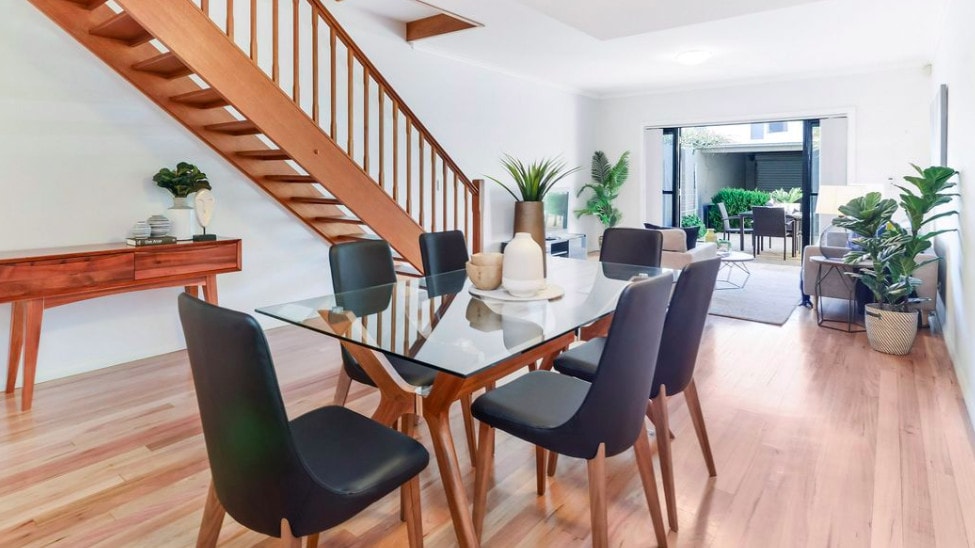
(523, 270)
(183, 219)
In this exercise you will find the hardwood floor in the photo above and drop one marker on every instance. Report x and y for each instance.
(818, 441)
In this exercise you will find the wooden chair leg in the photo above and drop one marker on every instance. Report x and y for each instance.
(213, 514)
(553, 461)
(311, 541)
(465, 409)
(644, 463)
(485, 444)
(596, 467)
(342, 388)
(540, 469)
(662, 426)
(414, 516)
(697, 419)
(288, 539)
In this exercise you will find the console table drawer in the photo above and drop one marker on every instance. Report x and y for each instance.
(181, 260)
(50, 277)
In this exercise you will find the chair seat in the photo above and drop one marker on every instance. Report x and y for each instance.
(350, 456)
(581, 361)
(533, 406)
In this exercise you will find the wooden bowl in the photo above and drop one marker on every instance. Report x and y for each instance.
(484, 277)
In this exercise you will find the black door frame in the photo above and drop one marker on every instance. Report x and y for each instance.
(674, 193)
(807, 190)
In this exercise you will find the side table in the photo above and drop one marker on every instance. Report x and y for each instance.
(836, 267)
(731, 261)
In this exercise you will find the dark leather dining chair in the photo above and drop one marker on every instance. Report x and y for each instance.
(674, 374)
(636, 246)
(771, 222)
(287, 479)
(585, 420)
(726, 222)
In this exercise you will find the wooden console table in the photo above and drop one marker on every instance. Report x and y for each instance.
(34, 280)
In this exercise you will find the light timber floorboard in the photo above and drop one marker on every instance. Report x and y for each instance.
(818, 441)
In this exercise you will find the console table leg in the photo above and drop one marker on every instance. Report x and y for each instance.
(17, 312)
(35, 313)
(210, 290)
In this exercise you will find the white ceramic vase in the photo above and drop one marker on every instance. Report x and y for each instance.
(183, 219)
(523, 269)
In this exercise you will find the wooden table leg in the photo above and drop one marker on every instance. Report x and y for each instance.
(210, 289)
(17, 314)
(446, 389)
(35, 313)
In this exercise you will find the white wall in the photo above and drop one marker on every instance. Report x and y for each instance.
(79, 146)
(888, 121)
(477, 115)
(953, 66)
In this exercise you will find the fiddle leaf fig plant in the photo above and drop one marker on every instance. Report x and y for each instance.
(888, 251)
(183, 181)
(606, 182)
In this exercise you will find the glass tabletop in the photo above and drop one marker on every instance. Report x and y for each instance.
(435, 321)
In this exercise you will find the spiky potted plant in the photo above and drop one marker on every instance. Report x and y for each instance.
(888, 253)
(532, 183)
(605, 186)
(181, 182)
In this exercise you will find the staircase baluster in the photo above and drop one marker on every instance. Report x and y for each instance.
(443, 198)
(420, 186)
(275, 43)
(254, 30)
(296, 54)
(314, 67)
(382, 136)
(205, 6)
(395, 153)
(230, 20)
(433, 189)
(332, 47)
(365, 119)
(409, 167)
(350, 99)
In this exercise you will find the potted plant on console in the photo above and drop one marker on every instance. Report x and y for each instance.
(532, 182)
(181, 182)
(606, 182)
(889, 253)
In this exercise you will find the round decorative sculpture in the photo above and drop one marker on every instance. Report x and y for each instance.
(160, 225)
(523, 273)
(140, 229)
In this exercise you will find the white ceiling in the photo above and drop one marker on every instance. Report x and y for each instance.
(555, 41)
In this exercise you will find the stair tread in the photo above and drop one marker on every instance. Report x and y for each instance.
(166, 65)
(264, 154)
(240, 127)
(342, 219)
(407, 269)
(89, 4)
(124, 28)
(315, 201)
(290, 178)
(203, 98)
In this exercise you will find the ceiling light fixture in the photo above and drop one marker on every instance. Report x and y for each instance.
(693, 57)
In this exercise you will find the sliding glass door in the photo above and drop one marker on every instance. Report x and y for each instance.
(671, 177)
(811, 147)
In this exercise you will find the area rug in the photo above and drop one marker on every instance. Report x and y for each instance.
(770, 295)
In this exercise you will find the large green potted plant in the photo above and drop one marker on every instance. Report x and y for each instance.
(888, 253)
(605, 186)
(532, 183)
(181, 182)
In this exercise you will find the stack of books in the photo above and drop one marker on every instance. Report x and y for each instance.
(151, 240)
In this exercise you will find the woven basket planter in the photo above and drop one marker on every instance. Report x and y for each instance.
(891, 332)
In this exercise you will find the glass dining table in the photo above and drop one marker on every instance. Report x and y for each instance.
(470, 341)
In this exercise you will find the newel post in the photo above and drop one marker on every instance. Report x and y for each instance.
(476, 205)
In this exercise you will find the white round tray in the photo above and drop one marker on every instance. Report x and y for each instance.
(551, 291)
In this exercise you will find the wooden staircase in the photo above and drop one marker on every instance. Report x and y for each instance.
(349, 158)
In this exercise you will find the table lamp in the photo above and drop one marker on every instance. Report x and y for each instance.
(828, 203)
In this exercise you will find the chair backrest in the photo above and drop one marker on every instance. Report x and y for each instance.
(443, 251)
(725, 220)
(255, 468)
(684, 326)
(768, 221)
(357, 265)
(614, 409)
(636, 246)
